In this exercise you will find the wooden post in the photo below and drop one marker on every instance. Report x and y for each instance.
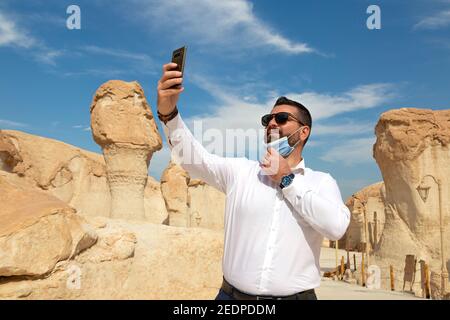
(375, 229)
(427, 282)
(354, 261)
(391, 271)
(348, 265)
(422, 277)
(348, 255)
(342, 271)
(409, 271)
(366, 237)
(363, 275)
(336, 254)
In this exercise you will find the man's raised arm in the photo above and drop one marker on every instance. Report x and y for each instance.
(185, 150)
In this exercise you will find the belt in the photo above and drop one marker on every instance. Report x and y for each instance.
(239, 295)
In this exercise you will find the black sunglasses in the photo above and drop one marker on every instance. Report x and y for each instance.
(280, 118)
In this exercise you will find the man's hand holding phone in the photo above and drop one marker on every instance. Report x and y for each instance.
(168, 96)
(170, 84)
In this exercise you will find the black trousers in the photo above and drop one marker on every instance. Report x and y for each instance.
(310, 295)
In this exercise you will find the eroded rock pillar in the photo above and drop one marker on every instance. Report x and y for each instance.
(123, 125)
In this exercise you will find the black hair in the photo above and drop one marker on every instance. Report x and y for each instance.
(303, 112)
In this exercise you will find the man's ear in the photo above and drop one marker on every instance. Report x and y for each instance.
(307, 135)
(309, 131)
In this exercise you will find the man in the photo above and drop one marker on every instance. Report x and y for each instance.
(277, 211)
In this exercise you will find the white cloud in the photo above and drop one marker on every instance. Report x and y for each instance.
(244, 114)
(12, 35)
(351, 151)
(343, 129)
(81, 127)
(361, 97)
(11, 124)
(103, 73)
(118, 53)
(234, 112)
(47, 55)
(436, 21)
(131, 62)
(230, 23)
(40, 17)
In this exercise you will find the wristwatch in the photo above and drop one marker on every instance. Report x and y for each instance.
(287, 180)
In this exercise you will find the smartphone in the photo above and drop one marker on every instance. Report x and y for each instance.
(179, 57)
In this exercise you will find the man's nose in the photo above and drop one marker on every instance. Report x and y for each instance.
(272, 124)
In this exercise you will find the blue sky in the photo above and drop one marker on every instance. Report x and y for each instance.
(242, 55)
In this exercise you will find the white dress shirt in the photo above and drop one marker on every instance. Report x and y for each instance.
(273, 236)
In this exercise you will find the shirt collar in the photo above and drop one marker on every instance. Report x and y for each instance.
(300, 167)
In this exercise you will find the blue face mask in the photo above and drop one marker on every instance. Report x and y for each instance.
(282, 145)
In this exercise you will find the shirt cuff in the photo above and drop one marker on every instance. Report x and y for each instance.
(296, 189)
(174, 123)
(173, 128)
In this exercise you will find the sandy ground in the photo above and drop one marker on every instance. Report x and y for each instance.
(339, 290)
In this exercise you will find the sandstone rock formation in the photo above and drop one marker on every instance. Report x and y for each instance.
(370, 200)
(37, 231)
(73, 175)
(206, 205)
(47, 251)
(57, 240)
(174, 181)
(78, 177)
(412, 149)
(191, 202)
(123, 125)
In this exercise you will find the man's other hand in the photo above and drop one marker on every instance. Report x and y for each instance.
(275, 166)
